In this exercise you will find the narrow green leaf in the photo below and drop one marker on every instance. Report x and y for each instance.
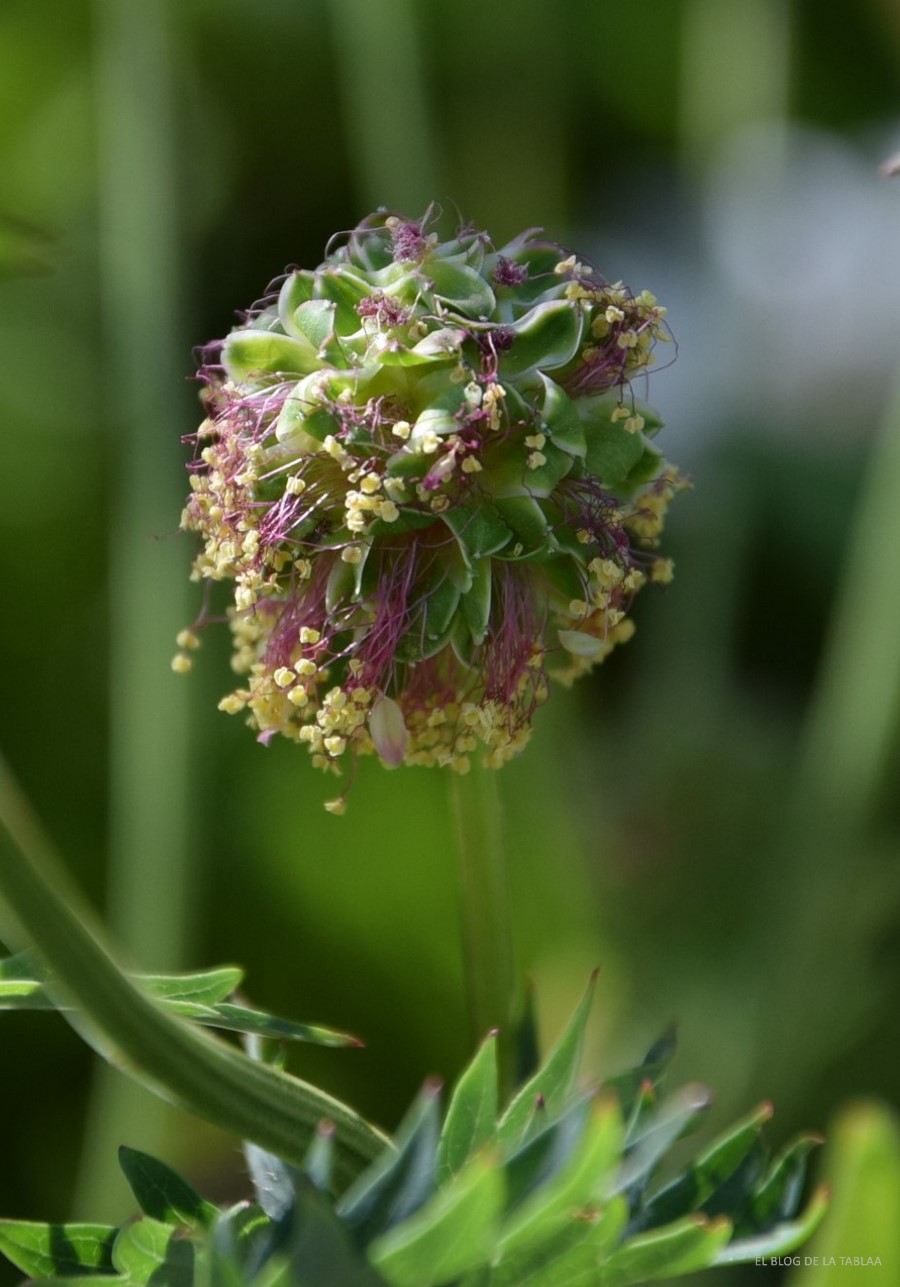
(149, 1249)
(680, 1248)
(450, 1235)
(630, 1086)
(472, 1116)
(318, 1165)
(58, 1250)
(706, 1174)
(400, 1181)
(549, 1145)
(321, 1249)
(583, 1183)
(658, 1135)
(780, 1240)
(206, 987)
(554, 1081)
(239, 1018)
(777, 1196)
(161, 1193)
(570, 1255)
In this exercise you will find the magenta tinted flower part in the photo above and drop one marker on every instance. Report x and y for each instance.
(425, 473)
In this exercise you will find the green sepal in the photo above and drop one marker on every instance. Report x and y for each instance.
(547, 337)
(345, 290)
(475, 604)
(478, 528)
(297, 289)
(162, 1194)
(314, 320)
(526, 520)
(560, 419)
(554, 1081)
(453, 1233)
(149, 1250)
(249, 354)
(461, 287)
(58, 1250)
(471, 1119)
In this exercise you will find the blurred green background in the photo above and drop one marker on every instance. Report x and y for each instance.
(709, 817)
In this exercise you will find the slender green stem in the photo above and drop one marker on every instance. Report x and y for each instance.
(201, 1073)
(151, 868)
(486, 922)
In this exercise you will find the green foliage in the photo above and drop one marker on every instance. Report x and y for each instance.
(565, 1187)
(201, 996)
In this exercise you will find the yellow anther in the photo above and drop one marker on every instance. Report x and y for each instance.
(536, 459)
(232, 703)
(308, 635)
(634, 423)
(294, 486)
(402, 429)
(471, 466)
(187, 639)
(351, 554)
(388, 512)
(536, 440)
(181, 663)
(335, 745)
(338, 806)
(371, 483)
(284, 677)
(305, 667)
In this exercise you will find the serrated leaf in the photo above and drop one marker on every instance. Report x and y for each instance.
(149, 1249)
(781, 1239)
(58, 1250)
(161, 1193)
(658, 1135)
(472, 1116)
(402, 1179)
(252, 353)
(555, 1079)
(582, 1183)
(546, 337)
(706, 1174)
(450, 1235)
(679, 1248)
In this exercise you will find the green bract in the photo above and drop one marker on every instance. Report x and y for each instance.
(425, 472)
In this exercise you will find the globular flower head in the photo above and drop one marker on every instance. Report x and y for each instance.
(425, 474)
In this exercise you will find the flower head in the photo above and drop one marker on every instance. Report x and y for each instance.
(425, 474)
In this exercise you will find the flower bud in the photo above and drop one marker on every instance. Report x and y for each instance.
(425, 477)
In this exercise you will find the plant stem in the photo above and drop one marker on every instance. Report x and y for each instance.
(486, 923)
(194, 1069)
